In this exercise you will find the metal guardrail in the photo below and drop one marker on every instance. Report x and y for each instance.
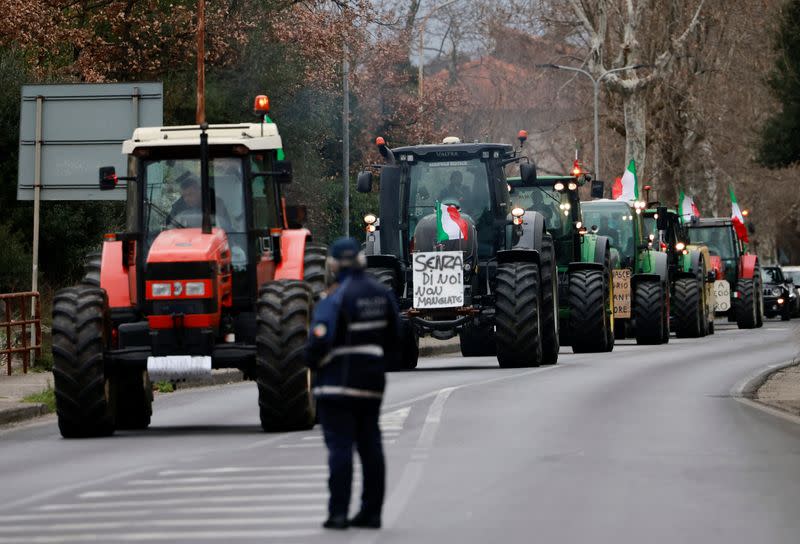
(16, 310)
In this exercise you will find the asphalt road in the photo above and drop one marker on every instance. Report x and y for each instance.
(640, 445)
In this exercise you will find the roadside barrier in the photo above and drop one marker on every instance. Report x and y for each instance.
(18, 315)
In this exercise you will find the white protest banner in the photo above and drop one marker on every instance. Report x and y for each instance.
(438, 279)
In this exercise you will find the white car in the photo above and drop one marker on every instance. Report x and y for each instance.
(792, 274)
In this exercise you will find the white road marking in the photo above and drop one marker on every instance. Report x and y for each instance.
(248, 499)
(230, 479)
(198, 489)
(138, 523)
(234, 470)
(193, 536)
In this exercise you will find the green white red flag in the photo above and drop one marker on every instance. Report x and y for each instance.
(449, 223)
(687, 209)
(738, 219)
(627, 187)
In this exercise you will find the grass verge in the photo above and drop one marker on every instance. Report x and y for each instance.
(46, 397)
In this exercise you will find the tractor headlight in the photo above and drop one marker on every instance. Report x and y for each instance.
(572, 186)
(161, 289)
(195, 289)
(680, 246)
(370, 218)
(371, 228)
(558, 186)
(517, 212)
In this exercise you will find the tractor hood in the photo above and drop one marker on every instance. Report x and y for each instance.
(189, 245)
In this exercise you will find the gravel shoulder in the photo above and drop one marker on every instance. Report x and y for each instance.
(781, 390)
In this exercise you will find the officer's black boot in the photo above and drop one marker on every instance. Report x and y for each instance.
(366, 521)
(336, 522)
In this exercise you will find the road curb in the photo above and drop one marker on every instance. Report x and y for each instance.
(429, 351)
(21, 412)
(748, 387)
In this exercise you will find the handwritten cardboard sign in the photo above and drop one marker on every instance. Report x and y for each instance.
(622, 293)
(438, 279)
(722, 296)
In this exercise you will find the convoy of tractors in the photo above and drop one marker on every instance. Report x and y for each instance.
(209, 273)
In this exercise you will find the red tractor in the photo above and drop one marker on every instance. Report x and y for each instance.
(206, 275)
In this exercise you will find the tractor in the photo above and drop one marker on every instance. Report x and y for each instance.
(583, 260)
(461, 259)
(641, 274)
(738, 287)
(690, 273)
(205, 275)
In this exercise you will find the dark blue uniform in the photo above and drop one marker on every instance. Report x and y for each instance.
(352, 332)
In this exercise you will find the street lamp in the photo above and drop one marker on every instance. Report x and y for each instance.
(596, 83)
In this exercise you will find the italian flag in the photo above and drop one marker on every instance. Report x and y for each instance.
(738, 219)
(626, 187)
(450, 225)
(687, 209)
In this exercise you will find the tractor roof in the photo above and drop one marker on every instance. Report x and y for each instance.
(712, 222)
(450, 150)
(251, 135)
(606, 203)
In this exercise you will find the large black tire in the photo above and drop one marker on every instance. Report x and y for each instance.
(477, 342)
(689, 311)
(84, 399)
(648, 312)
(284, 381)
(746, 305)
(517, 323)
(314, 269)
(91, 269)
(385, 276)
(549, 298)
(408, 357)
(134, 400)
(587, 311)
(786, 313)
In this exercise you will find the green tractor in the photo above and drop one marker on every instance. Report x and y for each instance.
(641, 286)
(690, 273)
(738, 287)
(460, 258)
(583, 260)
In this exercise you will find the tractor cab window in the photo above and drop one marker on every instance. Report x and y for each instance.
(720, 240)
(463, 183)
(265, 201)
(616, 223)
(173, 199)
(551, 204)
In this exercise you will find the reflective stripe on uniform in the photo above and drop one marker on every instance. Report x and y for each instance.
(367, 325)
(370, 349)
(347, 391)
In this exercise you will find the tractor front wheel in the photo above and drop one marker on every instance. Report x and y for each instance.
(134, 400)
(284, 382)
(746, 305)
(549, 298)
(648, 312)
(84, 400)
(314, 268)
(690, 319)
(587, 311)
(517, 323)
(477, 342)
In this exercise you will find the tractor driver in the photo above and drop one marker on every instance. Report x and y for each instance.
(189, 205)
(546, 208)
(455, 188)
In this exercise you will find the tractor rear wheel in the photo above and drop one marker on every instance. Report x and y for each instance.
(746, 305)
(314, 268)
(91, 269)
(549, 298)
(690, 320)
(284, 382)
(84, 399)
(477, 342)
(587, 311)
(408, 356)
(134, 400)
(385, 276)
(648, 311)
(517, 323)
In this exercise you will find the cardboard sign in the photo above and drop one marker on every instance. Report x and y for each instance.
(722, 296)
(622, 293)
(438, 279)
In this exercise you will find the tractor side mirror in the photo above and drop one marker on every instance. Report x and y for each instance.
(527, 173)
(598, 188)
(283, 171)
(108, 178)
(364, 182)
(662, 223)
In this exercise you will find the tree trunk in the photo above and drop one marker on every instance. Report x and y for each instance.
(635, 107)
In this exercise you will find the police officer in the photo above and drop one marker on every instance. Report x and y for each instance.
(353, 329)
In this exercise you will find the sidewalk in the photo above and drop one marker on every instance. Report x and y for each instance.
(14, 388)
(781, 390)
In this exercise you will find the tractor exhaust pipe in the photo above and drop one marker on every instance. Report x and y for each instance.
(204, 183)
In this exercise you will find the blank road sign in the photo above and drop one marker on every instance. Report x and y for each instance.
(83, 126)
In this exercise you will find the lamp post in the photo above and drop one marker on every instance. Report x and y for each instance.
(596, 83)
